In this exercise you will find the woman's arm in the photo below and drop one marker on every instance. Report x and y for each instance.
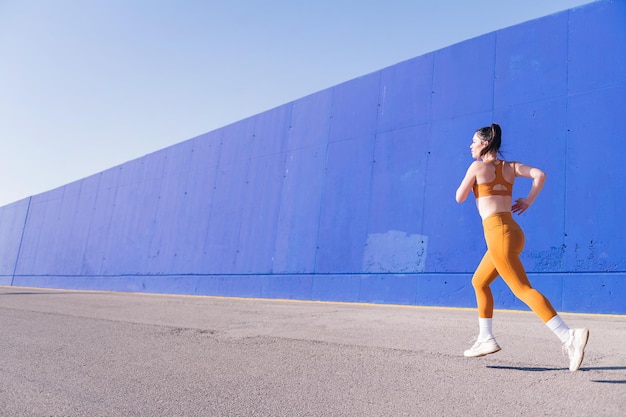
(466, 185)
(538, 177)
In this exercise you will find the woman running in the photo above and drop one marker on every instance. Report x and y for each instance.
(491, 179)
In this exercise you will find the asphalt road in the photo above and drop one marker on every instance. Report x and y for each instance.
(70, 353)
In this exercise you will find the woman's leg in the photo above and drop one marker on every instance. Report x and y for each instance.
(505, 241)
(485, 274)
(505, 245)
(486, 342)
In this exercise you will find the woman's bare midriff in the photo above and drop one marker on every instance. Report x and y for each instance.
(493, 204)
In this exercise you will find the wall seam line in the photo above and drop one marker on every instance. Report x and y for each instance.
(19, 248)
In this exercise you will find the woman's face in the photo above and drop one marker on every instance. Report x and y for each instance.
(477, 146)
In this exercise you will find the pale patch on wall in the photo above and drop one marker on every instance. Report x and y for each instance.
(395, 251)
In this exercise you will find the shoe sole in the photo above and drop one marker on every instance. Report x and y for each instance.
(482, 354)
(582, 356)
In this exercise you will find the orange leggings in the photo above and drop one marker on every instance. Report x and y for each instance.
(505, 241)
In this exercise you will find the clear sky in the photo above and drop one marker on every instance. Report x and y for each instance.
(89, 84)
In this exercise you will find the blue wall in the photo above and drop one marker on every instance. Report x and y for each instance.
(348, 194)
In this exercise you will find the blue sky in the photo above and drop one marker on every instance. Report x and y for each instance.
(89, 84)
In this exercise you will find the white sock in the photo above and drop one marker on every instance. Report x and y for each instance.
(484, 326)
(559, 328)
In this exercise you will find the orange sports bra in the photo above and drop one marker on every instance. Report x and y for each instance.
(487, 189)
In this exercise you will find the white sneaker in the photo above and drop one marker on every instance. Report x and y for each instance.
(575, 347)
(482, 348)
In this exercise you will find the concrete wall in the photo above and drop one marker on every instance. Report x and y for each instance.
(348, 194)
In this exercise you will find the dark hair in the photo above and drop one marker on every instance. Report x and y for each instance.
(493, 135)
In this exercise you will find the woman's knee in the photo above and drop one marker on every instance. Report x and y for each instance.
(480, 283)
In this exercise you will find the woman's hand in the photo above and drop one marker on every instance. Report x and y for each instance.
(520, 206)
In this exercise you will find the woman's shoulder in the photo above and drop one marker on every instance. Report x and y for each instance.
(475, 166)
(510, 169)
